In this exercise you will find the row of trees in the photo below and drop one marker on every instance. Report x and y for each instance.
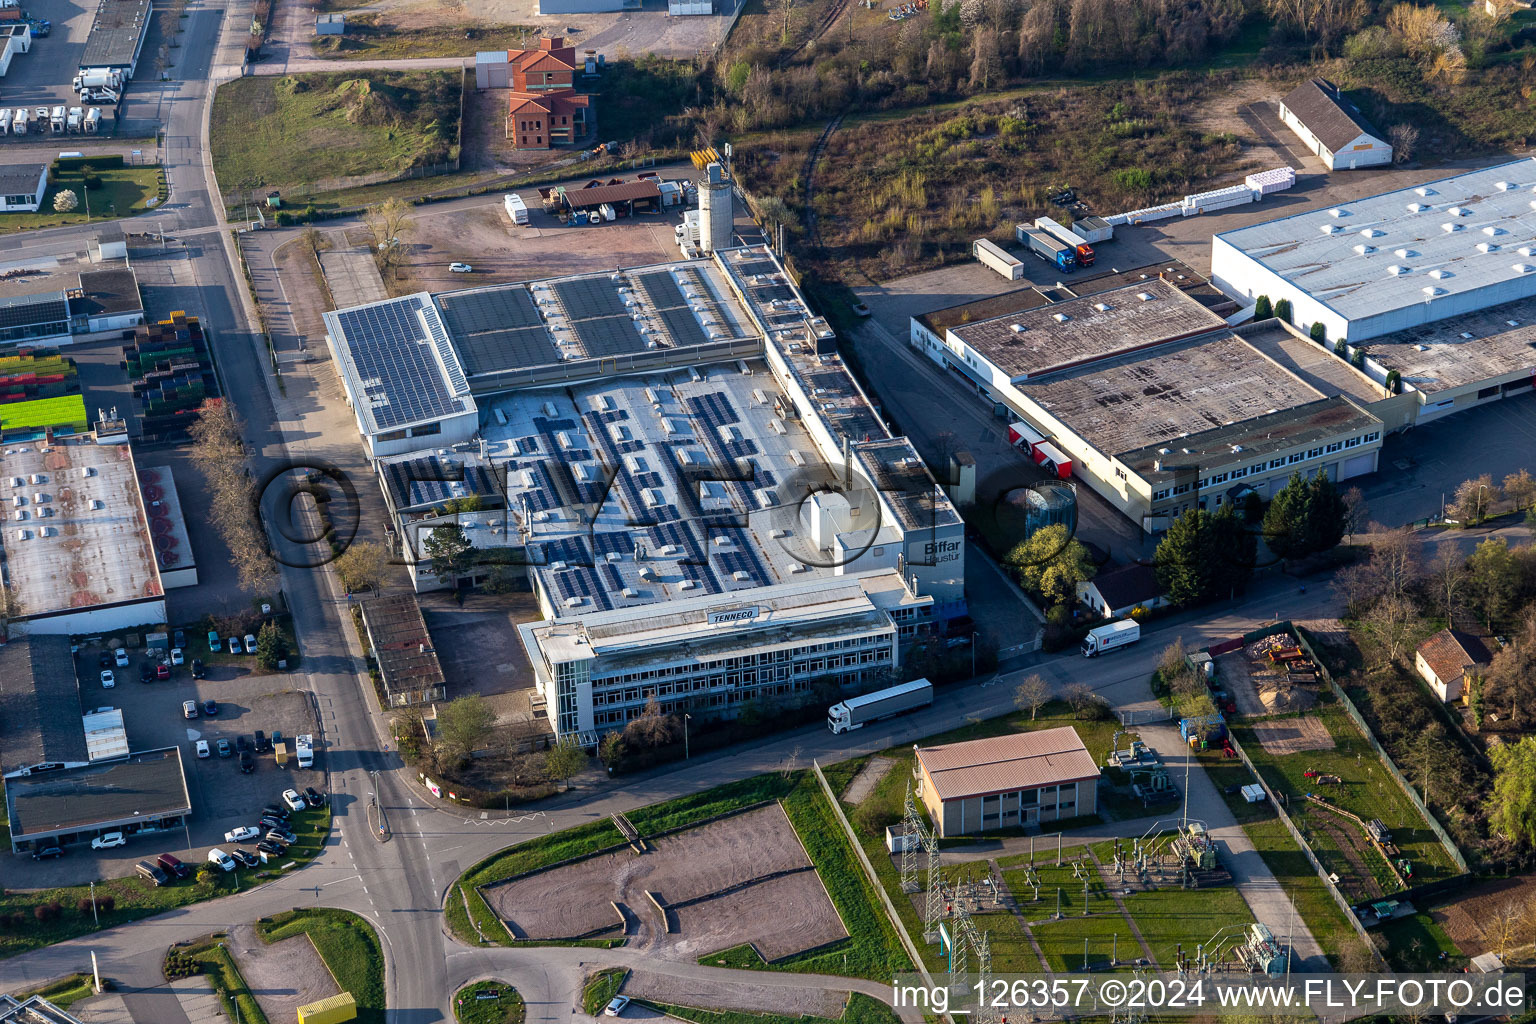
(219, 453)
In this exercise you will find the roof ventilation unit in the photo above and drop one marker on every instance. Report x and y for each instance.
(1338, 212)
(1404, 254)
(1487, 247)
(1440, 275)
(1102, 307)
(1421, 348)
(1522, 268)
(1503, 186)
(1017, 328)
(1449, 227)
(1459, 211)
(1329, 229)
(1365, 250)
(1493, 230)
(1397, 271)
(1432, 291)
(1144, 297)
(1417, 207)
(1526, 250)
(1060, 318)
(1372, 233)
(1513, 323)
(1425, 190)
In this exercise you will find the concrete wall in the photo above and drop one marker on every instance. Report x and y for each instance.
(150, 611)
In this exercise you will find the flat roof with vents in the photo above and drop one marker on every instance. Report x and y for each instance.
(1477, 230)
(1471, 349)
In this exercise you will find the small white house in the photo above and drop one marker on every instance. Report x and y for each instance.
(22, 187)
(1113, 594)
(1448, 661)
(1332, 127)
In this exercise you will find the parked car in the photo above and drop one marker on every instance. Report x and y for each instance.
(173, 865)
(146, 673)
(293, 800)
(275, 811)
(151, 874)
(242, 834)
(210, 707)
(121, 657)
(108, 840)
(47, 852)
(313, 796)
(177, 658)
(189, 709)
(198, 672)
(225, 749)
(242, 744)
(213, 641)
(461, 268)
(270, 848)
(162, 671)
(247, 762)
(268, 821)
(105, 660)
(616, 1006)
(246, 857)
(180, 638)
(108, 680)
(262, 746)
(250, 644)
(234, 645)
(221, 859)
(282, 835)
(202, 748)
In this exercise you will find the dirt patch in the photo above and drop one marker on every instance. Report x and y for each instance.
(864, 783)
(1259, 687)
(1473, 921)
(1247, 109)
(799, 1000)
(1293, 735)
(304, 292)
(730, 882)
(1356, 881)
(283, 976)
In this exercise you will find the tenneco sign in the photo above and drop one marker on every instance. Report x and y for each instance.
(733, 616)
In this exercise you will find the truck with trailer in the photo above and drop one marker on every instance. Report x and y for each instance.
(992, 255)
(1079, 244)
(857, 712)
(1052, 250)
(304, 750)
(1110, 637)
(19, 122)
(96, 78)
(517, 210)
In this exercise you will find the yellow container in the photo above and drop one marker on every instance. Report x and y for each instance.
(331, 1010)
(280, 751)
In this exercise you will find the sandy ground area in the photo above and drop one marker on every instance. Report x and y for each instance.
(1282, 736)
(283, 976)
(1473, 923)
(733, 995)
(864, 783)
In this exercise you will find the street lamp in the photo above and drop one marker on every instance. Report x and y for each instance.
(686, 719)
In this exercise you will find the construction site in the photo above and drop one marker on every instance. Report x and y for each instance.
(1270, 676)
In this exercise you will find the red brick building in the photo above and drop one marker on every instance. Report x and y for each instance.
(545, 109)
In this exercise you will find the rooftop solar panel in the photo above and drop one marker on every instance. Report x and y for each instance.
(608, 336)
(405, 368)
(587, 297)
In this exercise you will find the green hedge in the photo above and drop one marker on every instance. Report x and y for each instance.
(99, 161)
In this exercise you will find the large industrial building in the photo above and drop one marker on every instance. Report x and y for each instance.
(706, 506)
(1395, 261)
(117, 36)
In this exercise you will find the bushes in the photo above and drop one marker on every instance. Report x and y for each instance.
(1283, 310)
(46, 912)
(1319, 333)
(1262, 309)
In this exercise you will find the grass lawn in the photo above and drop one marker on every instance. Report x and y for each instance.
(1310, 896)
(283, 131)
(369, 38)
(214, 961)
(1169, 918)
(63, 993)
(861, 1009)
(124, 192)
(197, 647)
(601, 988)
(65, 410)
(1062, 941)
(1417, 943)
(1368, 790)
(349, 948)
(488, 1002)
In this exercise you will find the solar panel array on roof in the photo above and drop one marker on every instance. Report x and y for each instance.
(498, 329)
(608, 336)
(586, 297)
(662, 293)
(392, 348)
(431, 480)
(25, 310)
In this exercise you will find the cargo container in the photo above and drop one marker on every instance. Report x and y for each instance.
(1094, 229)
(1080, 247)
(857, 712)
(330, 1010)
(1051, 458)
(1052, 250)
(997, 258)
(1218, 199)
(280, 753)
(1111, 636)
(516, 209)
(1022, 435)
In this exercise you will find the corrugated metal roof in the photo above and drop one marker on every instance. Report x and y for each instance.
(1336, 122)
(1002, 764)
(597, 194)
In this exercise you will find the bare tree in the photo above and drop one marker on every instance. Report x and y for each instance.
(652, 727)
(1032, 694)
(1324, 21)
(220, 454)
(385, 222)
(1474, 498)
(1404, 137)
(1393, 621)
(362, 566)
(1356, 512)
(1520, 488)
(1447, 574)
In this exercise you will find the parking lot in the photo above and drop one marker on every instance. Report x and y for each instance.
(42, 75)
(222, 797)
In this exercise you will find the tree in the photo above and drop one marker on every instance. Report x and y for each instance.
(564, 761)
(1305, 518)
(1520, 488)
(1319, 332)
(464, 723)
(1404, 137)
(385, 222)
(219, 454)
(611, 750)
(1262, 310)
(1323, 21)
(1493, 580)
(1356, 512)
(1283, 309)
(271, 646)
(1204, 556)
(653, 727)
(1513, 807)
(1393, 621)
(10, 608)
(1447, 575)
(448, 547)
(362, 566)
(1509, 686)
(65, 201)
(1474, 498)
(1032, 694)
(1052, 563)
(1086, 705)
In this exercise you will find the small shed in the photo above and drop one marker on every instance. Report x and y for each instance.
(1449, 660)
(334, 24)
(493, 70)
(111, 244)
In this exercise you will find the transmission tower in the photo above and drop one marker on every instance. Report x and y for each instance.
(912, 828)
(934, 910)
(985, 1013)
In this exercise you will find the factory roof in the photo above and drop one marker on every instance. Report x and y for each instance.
(20, 178)
(1254, 440)
(400, 364)
(150, 784)
(622, 192)
(104, 292)
(906, 487)
(75, 537)
(1463, 350)
(1316, 365)
(39, 703)
(1065, 334)
(428, 481)
(1404, 248)
(1004, 764)
(167, 524)
(116, 34)
(1331, 118)
(1123, 403)
(401, 644)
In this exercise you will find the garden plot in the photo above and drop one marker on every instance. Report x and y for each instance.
(741, 879)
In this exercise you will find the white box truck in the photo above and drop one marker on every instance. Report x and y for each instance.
(1111, 636)
(992, 255)
(608, 212)
(95, 78)
(19, 122)
(56, 120)
(304, 750)
(517, 210)
(857, 712)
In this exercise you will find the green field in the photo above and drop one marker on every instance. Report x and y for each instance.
(215, 962)
(123, 192)
(65, 411)
(272, 132)
(489, 1002)
(369, 37)
(348, 945)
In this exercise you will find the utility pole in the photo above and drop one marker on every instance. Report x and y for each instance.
(686, 719)
(95, 917)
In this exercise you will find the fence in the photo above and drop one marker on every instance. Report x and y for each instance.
(1370, 737)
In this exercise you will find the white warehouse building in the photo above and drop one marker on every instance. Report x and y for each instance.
(1393, 261)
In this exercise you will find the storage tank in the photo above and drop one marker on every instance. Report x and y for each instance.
(1024, 510)
(716, 213)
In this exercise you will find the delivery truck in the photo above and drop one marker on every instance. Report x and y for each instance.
(857, 712)
(1110, 637)
(304, 750)
(1079, 244)
(1052, 250)
(517, 210)
(280, 753)
(997, 258)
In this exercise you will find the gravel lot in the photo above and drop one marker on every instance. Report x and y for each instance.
(283, 976)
